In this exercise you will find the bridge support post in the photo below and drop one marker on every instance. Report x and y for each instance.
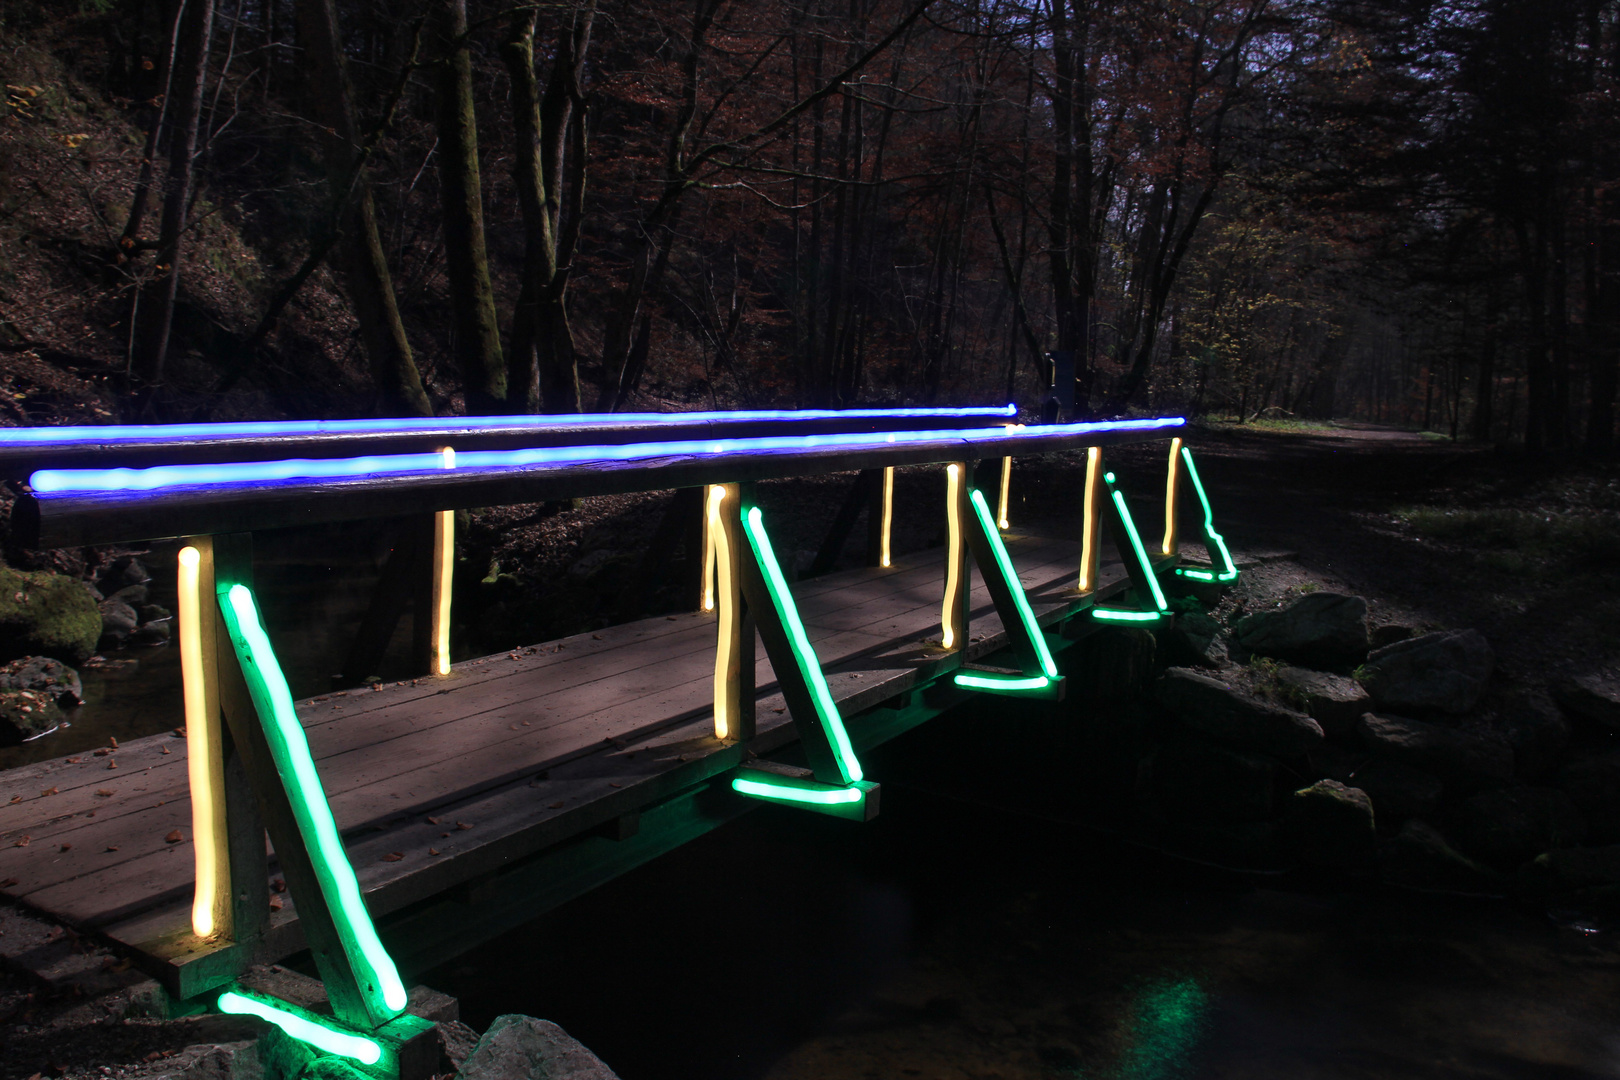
(954, 612)
(1172, 490)
(1091, 526)
(359, 997)
(880, 519)
(734, 646)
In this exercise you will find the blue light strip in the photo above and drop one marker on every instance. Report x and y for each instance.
(113, 434)
(295, 470)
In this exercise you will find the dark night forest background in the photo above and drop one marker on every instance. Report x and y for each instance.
(1392, 210)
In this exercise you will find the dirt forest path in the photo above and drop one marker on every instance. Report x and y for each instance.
(1336, 496)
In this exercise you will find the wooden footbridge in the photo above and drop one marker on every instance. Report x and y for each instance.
(408, 822)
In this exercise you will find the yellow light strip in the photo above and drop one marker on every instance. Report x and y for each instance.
(444, 564)
(888, 514)
(205, 767)
(1089, 530)
(953, 556)
(723, 561)
(1006, 488)
(1172, 474)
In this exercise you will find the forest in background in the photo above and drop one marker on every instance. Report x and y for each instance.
(1392, 210)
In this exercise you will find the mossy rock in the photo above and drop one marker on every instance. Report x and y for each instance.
(45, 614)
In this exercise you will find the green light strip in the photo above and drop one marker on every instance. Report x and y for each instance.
(1230, 572)
(290, 749)
(1010, 576)
(788, 612)
(1196, 575)
(1002, 682)
(784, 793)
(1136, 545)
(1114, 615)
(363, 1050)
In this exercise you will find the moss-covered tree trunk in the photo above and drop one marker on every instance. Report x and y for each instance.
(359, 255)
(472, 299)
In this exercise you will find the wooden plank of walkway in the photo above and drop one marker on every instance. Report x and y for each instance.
(436, 782)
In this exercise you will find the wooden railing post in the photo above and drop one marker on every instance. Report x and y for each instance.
(954, 613)
(211, 908)
(1091, 525)
(879, 520)
(1172, 488)
(734, 646)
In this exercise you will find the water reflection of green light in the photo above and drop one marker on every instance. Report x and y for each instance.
(1169, 1023)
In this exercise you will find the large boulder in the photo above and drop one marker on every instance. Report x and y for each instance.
(1319, 629)
(1468, 759)
(1419, 857)
(1594, 698)
(1329, 824)
(1228, 715)
(1506, 826)
(1333, 701)
(1194, 779)
(1537, 731)
(522, 1048)
(1592, 782)
(1443, 672)
(25, 714)
(1575, 868)
(1193, 638)
(1398, 791)
(44, 675)
(45, 614)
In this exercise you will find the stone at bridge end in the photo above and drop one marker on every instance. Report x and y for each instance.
(1212, 707)
(518, 1047)
(1443, 672)
(1592, 697)
(1320, 629)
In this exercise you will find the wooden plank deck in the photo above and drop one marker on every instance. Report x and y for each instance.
(436, 783)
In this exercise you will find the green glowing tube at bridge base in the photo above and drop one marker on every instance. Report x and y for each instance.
(827, 711)
(857, 802)
(1116, 615)
(366, 1051)
(1016, 587)
(1230, 572)
(1036, 686)
(1196, 575)
(266, 684)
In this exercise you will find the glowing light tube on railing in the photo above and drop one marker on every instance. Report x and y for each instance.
(787, 611)
(1006, 490)
(726, 602)
(1090, 528)
(885, 558)
(115, 434)
(953, 556)
(709, 554)
(48, 482)
(1230, 572)
(766, 790)
(210, 900)
(1136, 545)
(364, 1050)
(1170, 486)
(289, 748)
(444, 565)
(1016, 587)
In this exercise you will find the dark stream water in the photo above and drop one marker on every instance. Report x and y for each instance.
(955, 939)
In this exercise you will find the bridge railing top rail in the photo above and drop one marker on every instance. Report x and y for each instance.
(26, 450)
(96, 506)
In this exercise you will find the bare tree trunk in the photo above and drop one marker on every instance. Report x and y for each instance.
(360, 255)
(542, 343)
(157, 302)
(143, 184)
(472, 298)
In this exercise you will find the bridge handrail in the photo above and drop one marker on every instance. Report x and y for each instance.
(212, 499)
(24, 450)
